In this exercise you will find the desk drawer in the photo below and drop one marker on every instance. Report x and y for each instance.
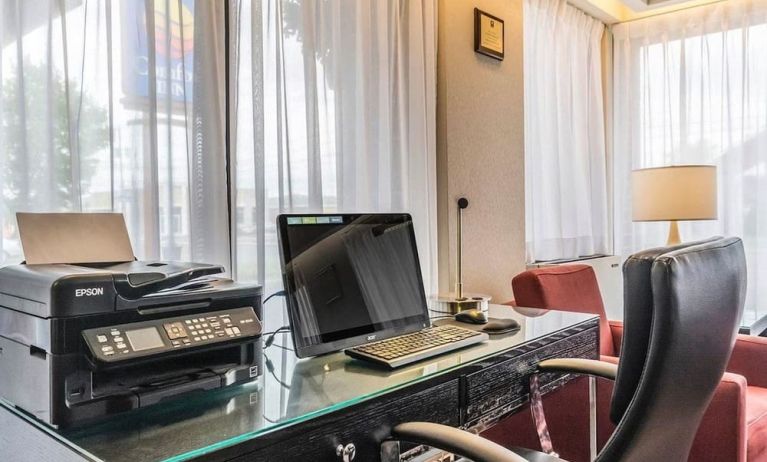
(365, 427)
(497, 390)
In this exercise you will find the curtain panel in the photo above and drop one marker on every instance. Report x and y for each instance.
(565, 177)
(334, 111)
(116, 106)
(691, 88)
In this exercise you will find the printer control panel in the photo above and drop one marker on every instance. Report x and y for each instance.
(112, 344)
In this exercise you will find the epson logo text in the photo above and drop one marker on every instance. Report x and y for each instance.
(89, 292)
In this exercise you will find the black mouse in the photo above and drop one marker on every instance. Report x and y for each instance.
(501, 326)
(471, 317)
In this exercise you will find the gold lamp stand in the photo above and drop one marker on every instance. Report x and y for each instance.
(459, 300)
(673, 234)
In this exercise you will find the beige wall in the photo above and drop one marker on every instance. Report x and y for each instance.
(480, 149)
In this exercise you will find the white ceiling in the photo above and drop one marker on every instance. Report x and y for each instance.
(615, 11)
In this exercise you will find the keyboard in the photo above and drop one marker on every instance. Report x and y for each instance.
(405, 349)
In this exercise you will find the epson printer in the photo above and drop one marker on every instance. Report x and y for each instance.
(79, 342)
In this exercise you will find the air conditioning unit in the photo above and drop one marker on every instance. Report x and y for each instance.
(609, 276)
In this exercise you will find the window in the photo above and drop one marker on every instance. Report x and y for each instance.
(696, 95)
(120, 105)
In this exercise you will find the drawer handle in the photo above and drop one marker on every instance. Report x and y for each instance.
(346, 453)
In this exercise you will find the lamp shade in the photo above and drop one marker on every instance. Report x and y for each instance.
(683, 192)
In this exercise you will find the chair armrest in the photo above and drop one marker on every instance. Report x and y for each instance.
(580, 366)
(616, 329)
(454, 440)
(749, 359)
(723, 433)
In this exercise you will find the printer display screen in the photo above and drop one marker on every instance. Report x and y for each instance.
(144, 339)
(351, 275)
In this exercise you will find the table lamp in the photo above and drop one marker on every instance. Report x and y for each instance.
(677, 193)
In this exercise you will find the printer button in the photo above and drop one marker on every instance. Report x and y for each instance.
(121, 346)
(175, 330)
(197, 326)
(205, 324)
(115, 333)
(236, 330)
(119, 339)
(109, 353)
(229, 331)
(188, 321)
(208, 331)
(106, 349)
(226, 320)
(187, 341)
(101, 338)
(197, 339)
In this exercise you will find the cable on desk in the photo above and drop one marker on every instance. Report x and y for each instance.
(279, 293)
(271, 335)
(270, 368)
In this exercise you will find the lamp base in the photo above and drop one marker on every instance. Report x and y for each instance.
(451, 304)
(673, 234)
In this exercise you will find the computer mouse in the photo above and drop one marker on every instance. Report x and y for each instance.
(471, 317)
(501, 326)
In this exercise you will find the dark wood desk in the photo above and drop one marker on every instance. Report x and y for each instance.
(306, 408)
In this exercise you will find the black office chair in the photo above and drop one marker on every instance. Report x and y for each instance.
(671, 362)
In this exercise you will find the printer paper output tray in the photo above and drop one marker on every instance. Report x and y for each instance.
(142, 387)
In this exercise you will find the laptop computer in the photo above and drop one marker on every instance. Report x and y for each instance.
(354, 283)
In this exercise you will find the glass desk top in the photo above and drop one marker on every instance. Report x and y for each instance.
(290, 391)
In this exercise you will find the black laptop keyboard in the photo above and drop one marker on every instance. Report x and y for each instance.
(438, 339)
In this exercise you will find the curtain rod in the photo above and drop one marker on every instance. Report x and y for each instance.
(669, 12)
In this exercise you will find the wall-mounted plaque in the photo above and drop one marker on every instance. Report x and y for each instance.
(488, 34)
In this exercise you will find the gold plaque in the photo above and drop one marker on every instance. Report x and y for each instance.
(488, 34)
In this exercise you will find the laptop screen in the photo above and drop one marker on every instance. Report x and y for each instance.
(350, 279)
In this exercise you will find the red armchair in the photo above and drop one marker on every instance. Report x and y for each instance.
(734, 427)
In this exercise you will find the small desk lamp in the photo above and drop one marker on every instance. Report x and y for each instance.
(682, 192)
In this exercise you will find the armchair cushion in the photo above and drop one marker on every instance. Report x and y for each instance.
(756, 420)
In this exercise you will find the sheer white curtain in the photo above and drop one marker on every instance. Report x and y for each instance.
(565, 179)
(116, 105)
(334, 111)
(690, 88)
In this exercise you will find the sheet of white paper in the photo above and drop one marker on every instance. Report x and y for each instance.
(74, 238)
